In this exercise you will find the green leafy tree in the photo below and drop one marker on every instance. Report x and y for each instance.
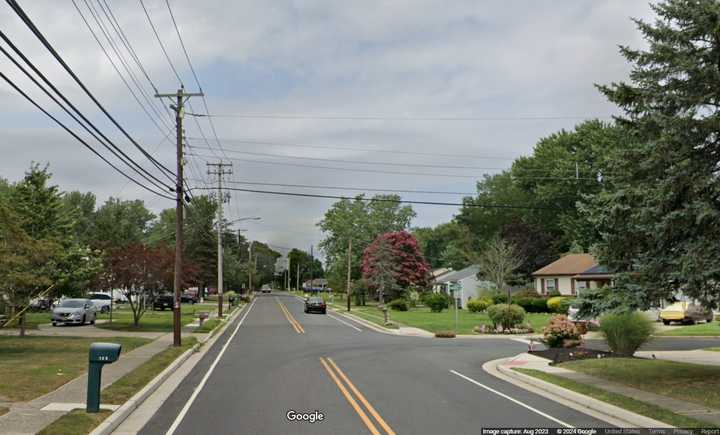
(201, 238)
(660, 222)
(498, 261)
(81, 206)
(360, 220)
(120, 223)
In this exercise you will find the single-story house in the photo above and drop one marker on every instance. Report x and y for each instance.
(571, 274)
(464, 281)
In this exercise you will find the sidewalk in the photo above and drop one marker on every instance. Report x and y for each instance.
(681, 407)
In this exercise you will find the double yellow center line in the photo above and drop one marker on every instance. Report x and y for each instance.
(339, 377)
(294, 323)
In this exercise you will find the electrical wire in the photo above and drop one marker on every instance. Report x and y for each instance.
(105, 141)
(78, 138)
(358, 189)
(398, 201)
(401, 118)
(33, 28)
(117, 70)
(375, 150)
(373, 171)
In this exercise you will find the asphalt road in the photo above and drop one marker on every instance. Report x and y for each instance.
(362, 381)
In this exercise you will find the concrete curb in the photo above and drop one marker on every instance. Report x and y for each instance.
(579, 402)
(118, 417)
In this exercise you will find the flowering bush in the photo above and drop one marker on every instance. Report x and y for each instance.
(561, 332)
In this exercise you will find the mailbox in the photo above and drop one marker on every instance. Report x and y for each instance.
(100, 354)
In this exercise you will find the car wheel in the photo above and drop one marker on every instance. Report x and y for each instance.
(324, 311)
(666, 322)
(83, 321)
(92, 322)
(54, 324)
(105, 309)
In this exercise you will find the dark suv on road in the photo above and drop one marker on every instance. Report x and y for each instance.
(163, 301)
(315, 304)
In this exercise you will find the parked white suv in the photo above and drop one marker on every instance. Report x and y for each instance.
(101, 301)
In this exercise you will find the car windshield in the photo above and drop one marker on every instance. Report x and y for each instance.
(99, 296)
(72, 303)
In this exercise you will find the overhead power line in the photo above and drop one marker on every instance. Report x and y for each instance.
(358, 189)
(87, 125)
(400, 201)
(367, 150)
(78, 138)
(33, 28)
(398, 164)
(378, 171)
(402, 118)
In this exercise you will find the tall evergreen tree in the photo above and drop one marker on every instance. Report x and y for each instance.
(660, 224)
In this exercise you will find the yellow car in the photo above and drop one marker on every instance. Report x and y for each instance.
(685, 312)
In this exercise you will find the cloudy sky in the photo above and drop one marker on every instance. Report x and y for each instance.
(404, 75)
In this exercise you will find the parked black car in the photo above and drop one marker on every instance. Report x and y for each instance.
(163, 301)
(315, 304)
(187, 298)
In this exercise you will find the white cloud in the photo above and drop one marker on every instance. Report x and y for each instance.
(424, 58)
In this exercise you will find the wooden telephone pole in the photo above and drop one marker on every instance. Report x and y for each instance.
(180, 98)
(349, 255)
(220, 171)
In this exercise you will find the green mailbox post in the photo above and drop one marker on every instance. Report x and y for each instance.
(100, 354)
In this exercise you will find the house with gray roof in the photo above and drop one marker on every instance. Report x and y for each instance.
(465, 283)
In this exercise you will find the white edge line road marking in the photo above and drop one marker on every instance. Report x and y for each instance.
(523, 340)
(511, 399)
(200, 386)
(345, 323)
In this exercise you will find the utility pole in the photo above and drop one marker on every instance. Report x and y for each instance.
(220, 171)
(348, 273)
(297, 278)
(250, 272)
(312, 265)
(180, 98)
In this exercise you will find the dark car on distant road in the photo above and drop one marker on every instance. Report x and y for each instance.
(315, 304)
(187, 298)
(163, 301)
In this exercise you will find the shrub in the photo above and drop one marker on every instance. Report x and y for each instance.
(526, 293)
(561, 332)
(556, 304)
(398, 305)
(413, 296)
(245, 298)
(445, 334)
(479, 305)
(533, 305)
(506, 316)
(626, 332)
(437, 302)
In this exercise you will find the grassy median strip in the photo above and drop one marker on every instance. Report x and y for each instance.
(126, 387)
(208, 325)
(3, 410)
(710, 329)
(636, 406)
(689, 382)
(80, 422)
(75, 422)
(39, 365)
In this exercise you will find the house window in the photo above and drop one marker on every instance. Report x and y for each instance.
(550, 286)
(581, 285)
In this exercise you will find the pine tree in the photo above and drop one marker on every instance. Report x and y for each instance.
(660, 223)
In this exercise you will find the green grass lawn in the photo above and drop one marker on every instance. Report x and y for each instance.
(423, 318)
(126, 387)
(33, 319)
(710, 329)
(690, 382)
(153, 321)
(80, 422)
(713, 349)
(75, 422)
(642, 408)
(38, 365)
(208, 325)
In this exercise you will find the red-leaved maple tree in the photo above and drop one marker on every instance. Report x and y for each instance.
(409, 265)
